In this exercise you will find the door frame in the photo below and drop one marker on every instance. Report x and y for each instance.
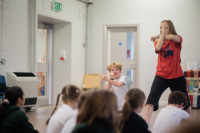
(47, 99)
(106, 48)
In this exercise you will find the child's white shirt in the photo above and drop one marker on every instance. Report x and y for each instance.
(60, 117)
(169, 118)
(69, 125)
(120, 91)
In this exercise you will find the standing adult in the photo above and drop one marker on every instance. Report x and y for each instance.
(169, 72)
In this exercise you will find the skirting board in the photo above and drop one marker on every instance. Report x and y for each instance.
(163, 103)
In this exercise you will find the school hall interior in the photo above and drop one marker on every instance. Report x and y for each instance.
(47, 44)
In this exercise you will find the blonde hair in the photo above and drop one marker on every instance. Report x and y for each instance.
(69, 92)
(100, 106)
(114, 64)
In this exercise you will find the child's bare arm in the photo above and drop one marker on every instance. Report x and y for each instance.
(108, 86)
(115, 83)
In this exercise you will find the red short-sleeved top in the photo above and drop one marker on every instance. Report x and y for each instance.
(169, 60)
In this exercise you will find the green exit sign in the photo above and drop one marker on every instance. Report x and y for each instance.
(56, 6)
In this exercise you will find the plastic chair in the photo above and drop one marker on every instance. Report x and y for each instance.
(91, 81)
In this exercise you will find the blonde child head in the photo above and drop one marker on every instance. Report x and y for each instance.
(114, 64)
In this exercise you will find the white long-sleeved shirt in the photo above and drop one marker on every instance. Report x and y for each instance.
(60, 117)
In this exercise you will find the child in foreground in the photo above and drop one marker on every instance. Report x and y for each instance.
(98, 114)
(12, 119)
(171, 116)
(130, 121)
(70, 94)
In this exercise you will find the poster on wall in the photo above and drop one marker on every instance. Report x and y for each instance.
(193, 65)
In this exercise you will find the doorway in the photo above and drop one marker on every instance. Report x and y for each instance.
(57, 71)
(121, 45)
(44, 62)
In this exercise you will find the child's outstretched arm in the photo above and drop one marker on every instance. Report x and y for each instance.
(108, 85)
(115, 83)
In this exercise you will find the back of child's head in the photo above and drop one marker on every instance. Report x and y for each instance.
(114, 64)
(187, 127)
(99, 107)
(133, 99)
(11, 97)
(69, 93)
(82, 98)
(177, 97)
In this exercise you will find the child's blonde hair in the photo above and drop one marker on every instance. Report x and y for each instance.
(114, 64)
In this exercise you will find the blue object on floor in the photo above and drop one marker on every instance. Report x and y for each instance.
(42, 92)
(2, 80)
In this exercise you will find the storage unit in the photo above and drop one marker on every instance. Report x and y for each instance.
(193, 87)
(28, 82)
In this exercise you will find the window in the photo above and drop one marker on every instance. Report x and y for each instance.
(41, 83)
(42, 46)
(129, 77)
(129, 47)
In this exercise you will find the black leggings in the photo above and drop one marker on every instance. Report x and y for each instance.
(160, 85)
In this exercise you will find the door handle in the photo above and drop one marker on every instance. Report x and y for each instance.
(134, 65)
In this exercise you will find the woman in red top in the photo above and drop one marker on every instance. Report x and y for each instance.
(169, 72)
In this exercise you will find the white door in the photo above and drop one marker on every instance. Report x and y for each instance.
(122, 49)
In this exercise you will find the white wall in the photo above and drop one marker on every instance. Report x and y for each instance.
(70, 13)
(61, 69)
(149, 13)
(18, 46)
(73, 69)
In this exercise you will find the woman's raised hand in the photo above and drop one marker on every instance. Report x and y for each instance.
(153, 38)
(164, 29)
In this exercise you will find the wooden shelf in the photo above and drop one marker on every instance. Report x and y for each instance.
(192, 78)
(194, 94)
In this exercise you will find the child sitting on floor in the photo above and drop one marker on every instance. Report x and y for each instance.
(98, 114)
(70, 94)
(130, 121)
(71, 123)
(171, 116)
(12, 119)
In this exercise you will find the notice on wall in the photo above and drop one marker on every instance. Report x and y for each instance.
(193, 65)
